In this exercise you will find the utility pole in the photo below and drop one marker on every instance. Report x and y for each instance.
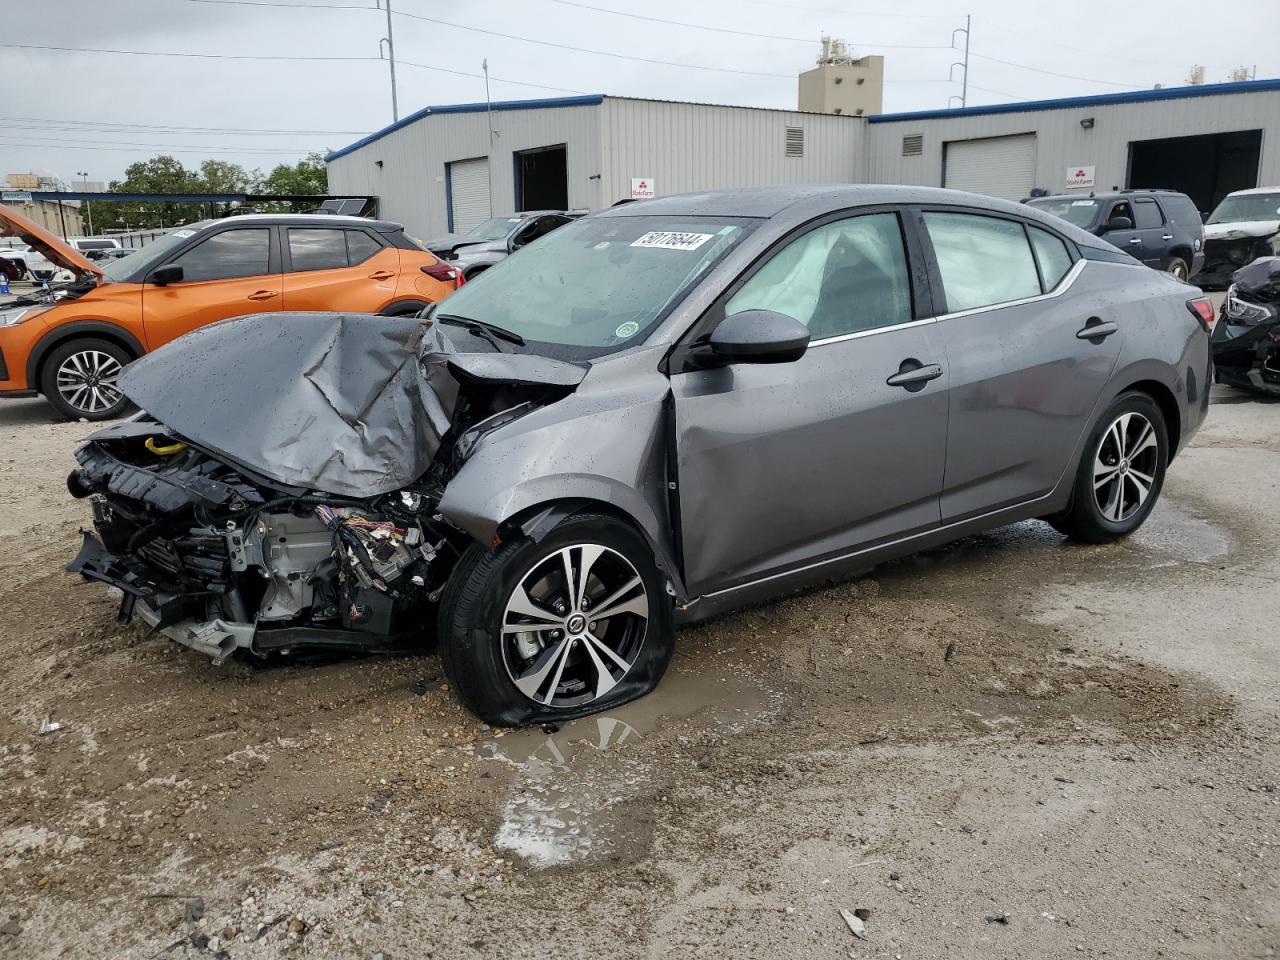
(88, 204)
(964, 89)
(389, 40)
(488, 164)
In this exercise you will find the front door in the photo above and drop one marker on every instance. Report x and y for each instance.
(784, 465)
(230, 274)
(1025, 376)
(1149, 226)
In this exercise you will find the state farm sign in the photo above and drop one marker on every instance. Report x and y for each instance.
(1080, 177)
(642, 188)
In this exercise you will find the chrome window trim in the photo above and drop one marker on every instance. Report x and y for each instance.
(1065, 284)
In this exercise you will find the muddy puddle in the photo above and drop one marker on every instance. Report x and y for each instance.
(576, 789)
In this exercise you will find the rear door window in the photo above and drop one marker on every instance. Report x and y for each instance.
(360, 246)
(983, 261)
(244, 252)
(317, 249)
(1146, 215)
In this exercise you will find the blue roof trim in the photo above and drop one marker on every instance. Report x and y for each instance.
(587, 100)
(1136, 96)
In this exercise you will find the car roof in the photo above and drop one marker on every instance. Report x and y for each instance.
(1112, 194)
(1245, 193)
(302, 220)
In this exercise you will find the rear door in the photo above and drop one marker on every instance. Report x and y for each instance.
(784, 465)
(1149, 226)
(331, 268)
(1128, 239)
(229, 274)
(1023, 381)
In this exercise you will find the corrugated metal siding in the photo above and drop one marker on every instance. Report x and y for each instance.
(688, 147)
(1062, 141)
(411, 181)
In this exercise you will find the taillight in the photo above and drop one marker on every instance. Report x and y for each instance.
(1202, 307)
(442, 271)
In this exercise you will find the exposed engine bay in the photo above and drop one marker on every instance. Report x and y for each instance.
(218, 549)
(1246, 339)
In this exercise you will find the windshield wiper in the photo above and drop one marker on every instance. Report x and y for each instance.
(481, 328)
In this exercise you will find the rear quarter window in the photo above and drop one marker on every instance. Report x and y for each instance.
(1180, 210)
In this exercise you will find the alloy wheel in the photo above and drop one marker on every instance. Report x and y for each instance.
(1124, 467)
(87, 381)
(574, 625)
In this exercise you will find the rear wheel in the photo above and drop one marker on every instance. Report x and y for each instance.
(80, 379)
(1121, 473)
(1178, 267)
(567, 626)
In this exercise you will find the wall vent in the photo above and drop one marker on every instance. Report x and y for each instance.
(795, 142)
(913, 145)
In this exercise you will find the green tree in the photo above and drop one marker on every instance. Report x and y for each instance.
(308, 177)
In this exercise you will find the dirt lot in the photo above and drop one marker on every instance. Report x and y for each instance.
(1012, 747)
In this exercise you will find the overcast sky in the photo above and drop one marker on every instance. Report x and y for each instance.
(67, 111)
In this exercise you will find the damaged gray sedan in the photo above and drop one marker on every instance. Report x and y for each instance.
(653, 415)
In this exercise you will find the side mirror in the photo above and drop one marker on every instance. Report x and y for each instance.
(169, 273)
(759, 336)
(1119, 223)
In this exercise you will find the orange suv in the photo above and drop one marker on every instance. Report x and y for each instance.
(69, 342)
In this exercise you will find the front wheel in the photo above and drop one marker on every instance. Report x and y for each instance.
(1121, 473)
(79, 379)
(570, 625)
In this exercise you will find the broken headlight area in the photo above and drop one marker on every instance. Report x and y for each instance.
(220, 560)
(1246, 341)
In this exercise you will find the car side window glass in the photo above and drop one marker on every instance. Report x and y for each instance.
(317, 249)
(232, 253)
(983, 260)
(1052, 255)
(360, 246)
(1121, 210)
(1146, 215)
(843, 277)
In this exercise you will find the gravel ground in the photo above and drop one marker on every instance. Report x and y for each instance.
(1010, 747)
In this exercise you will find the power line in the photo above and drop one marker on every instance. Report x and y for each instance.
(197, 56)
(174, 128)
(851, 13)
(59, 141)
(288, 6)
(599, 53)
(737, 33)
(1052, 73)
(201, 151)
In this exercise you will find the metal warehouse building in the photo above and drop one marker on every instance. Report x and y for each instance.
(438, 169)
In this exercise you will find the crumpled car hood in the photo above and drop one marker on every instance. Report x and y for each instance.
(348, 404)
(1241, 229)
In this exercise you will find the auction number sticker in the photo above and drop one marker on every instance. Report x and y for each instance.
(628, 329)
(668, 240)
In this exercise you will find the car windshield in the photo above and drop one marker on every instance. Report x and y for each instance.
(152, 255)
(1247, 206)
(598, 285)
(494, 229)
(1081, 212)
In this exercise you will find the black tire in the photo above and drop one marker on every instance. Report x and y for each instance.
(96, 353)
(406, 308)
(477, 655)
(1124, 512)
(1178, 267)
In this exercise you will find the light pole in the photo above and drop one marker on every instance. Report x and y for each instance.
(964, 89)
(88, 204)
(389, 40)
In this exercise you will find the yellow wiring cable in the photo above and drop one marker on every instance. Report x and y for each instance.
(165, 451)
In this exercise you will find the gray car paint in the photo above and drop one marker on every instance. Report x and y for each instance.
(604, 443)
(751, 480)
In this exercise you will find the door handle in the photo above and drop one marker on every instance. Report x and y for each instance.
(1166, 236)
(263, 295)
(1096, 330)
(913, 375)
(381, 275)
(1135, 239)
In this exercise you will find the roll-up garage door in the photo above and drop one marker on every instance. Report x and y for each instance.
(468, 194)
(995, 166)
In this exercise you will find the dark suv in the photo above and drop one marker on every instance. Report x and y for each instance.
(1159, 227)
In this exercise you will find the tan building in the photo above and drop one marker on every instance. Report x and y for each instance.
(840, 83)
(66, 222)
